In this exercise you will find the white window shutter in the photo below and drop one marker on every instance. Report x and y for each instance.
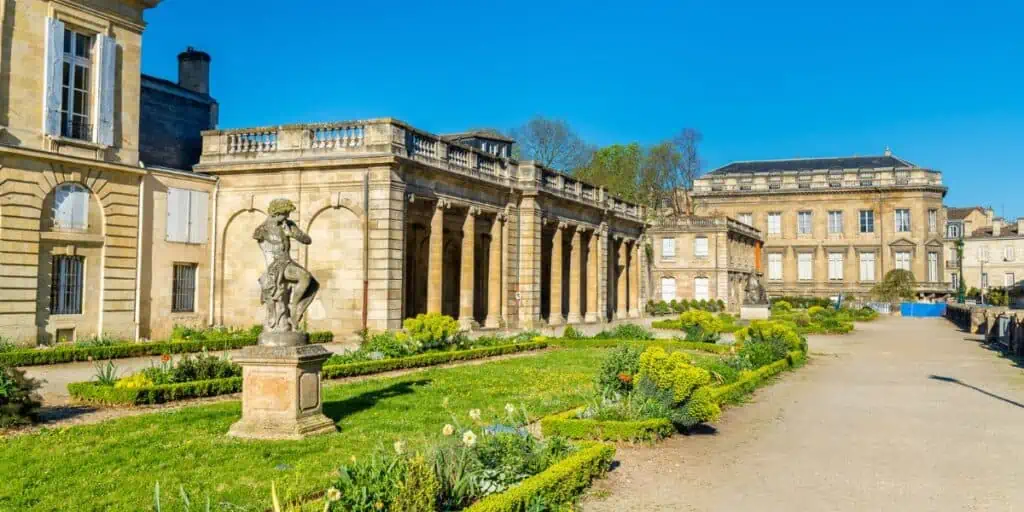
(198, 217)
(54, 73)
(177, 215)
(106, 51)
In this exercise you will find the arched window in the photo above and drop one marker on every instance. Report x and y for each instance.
(71, 207)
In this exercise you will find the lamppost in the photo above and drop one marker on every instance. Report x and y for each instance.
(961, 289)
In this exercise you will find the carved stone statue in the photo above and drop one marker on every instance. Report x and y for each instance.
(286, 288)
(755, 294)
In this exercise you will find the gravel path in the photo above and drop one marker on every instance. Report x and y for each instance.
(902, 415)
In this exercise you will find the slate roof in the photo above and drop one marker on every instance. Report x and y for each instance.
(961, 213)
(986, 232)
(813, 164)
(478, 134)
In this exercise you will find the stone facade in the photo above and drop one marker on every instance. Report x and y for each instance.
(407, 222)
(993, 254)
(819, 205)
(703, 258)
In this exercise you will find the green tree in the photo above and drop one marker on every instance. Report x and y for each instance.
(617, 168)
(898, 284)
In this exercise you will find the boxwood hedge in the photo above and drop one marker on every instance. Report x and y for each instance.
(566, 424)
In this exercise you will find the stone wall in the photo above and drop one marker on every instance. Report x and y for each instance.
(172, 119)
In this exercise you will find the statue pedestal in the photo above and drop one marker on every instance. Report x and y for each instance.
(755, 312)
(281, 392)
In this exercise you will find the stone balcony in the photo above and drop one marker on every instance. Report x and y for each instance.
(243, 147)
(817, 181)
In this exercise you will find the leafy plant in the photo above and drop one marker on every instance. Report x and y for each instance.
(626, 332)
(764, 342)
(7, 344)
(105, 374)
(897, 285)
(432, 330)
(619, 369)
(701, 326)
(782, 306)
(672, 372)
(19, 401)
(572, 334)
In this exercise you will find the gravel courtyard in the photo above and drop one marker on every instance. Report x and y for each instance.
(902, 415)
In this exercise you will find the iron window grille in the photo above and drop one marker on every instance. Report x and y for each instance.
(66, 285)
(183, 291)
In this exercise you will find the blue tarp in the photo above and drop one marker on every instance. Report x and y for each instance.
(921, 310)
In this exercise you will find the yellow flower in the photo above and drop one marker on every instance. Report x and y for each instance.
(469, 438)
(379, 505)
(509, 408)
(333, 494)
(448, 430)
(475, 414)
(353, 459)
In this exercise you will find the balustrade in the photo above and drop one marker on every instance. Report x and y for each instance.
(337, 136)
(256, 141)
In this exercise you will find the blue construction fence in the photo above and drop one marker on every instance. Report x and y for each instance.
(922, 310)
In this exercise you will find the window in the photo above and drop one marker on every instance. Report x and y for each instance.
(186, 215)
(668, 289)
(747, 218)
(835, 266)
(774, 223)
(66, 285)
(933, 267)
(867, 266)
(933, 221)
(902, 220)
(700, 289)
(984, 280)
(1008, 253)
(700, 246)
(71, 207)
(803, 223)
(983, 254)
(1009, 279)
(804, 272)
(867, 221)
(835, 222)
(74, 99)
(953, 231)
(183, 288)
(903, 260)
(668, 248)
(955, 280)
(774, 267)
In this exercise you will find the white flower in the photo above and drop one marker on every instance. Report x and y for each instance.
(475, 414)
(509, 408)
(469, 438)
(448, 430)
(333, 494)
(399, 447)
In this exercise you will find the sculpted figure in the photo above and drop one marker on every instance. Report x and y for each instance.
(287, 288)
(755, 292)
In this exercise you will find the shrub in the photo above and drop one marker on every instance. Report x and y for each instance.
(189, 368)
(898, 284)
(390, 344)
(432, 330)
(782, 306)
(19, 401)
(618, 369)
(700, 408)
(803, 302)
(626, 332)
(671, 372)
(7, 345)
(816, 312)
(136, 381)
(420, 489)
(764, 342)
(700, 326)
(572, 334)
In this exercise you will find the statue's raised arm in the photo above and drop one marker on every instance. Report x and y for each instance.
(298, 234)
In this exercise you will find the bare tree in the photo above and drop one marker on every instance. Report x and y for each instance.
(688, 170)
(552, 142)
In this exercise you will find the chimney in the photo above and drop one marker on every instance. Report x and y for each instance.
(997, 227)
(194, 70)
(888, 152)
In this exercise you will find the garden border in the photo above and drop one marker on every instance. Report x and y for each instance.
(561, 483)
(612, 343)
(428, 359)
(59, 355)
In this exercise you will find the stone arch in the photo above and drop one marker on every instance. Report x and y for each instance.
(241, 264)
(335, 259)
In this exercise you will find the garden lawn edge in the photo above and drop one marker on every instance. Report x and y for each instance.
(566, 425)
(34, 357)
(752, 380)
(612, 343)
(429, 359)
(560, 484)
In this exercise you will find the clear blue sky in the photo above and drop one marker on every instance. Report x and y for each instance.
(940, 82)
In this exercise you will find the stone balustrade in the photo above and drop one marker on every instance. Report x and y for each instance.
(824, 179)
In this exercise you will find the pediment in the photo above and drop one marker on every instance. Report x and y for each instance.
(934, 242)
(902, 242)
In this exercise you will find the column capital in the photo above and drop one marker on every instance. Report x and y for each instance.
(442, 204)
(473, 211)
(562, 225)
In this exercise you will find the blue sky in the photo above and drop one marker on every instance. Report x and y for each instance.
(941, 83)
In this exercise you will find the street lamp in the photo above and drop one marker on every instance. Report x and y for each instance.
(961, 289)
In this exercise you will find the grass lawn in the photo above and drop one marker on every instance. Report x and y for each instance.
(112, 466)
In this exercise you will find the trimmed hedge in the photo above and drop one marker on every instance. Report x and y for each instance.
(567, 425)
(750, 381)
(32, 357)
(684, 345)
(157, 394)
(560, 484)
(428, 359)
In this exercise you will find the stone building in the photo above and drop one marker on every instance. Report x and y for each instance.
(993, 249)
(835, 225)
(405, 222)
(708, 258)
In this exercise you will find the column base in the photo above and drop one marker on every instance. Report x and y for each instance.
(492, 322)
(574, 318)
(634, 313)
(468, 323)
(620, 314)
(591, 318)
(281, 396)
(556, 319)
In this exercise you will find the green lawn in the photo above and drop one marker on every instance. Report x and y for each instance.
(112, 466)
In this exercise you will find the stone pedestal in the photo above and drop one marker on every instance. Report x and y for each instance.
(755, 312)
(281, 392)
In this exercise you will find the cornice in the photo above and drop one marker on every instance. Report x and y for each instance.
(48, 156)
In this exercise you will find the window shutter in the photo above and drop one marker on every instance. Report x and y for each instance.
(198, 217)
(177, 215)
(106, 51)
(80, 207)
(54, 73)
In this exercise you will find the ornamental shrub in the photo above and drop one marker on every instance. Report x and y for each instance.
(767, 341)
(388, 344)
(19, 402)
(572, 334)
(432, 330)
(672, 372)
(782, 307)
(701, 326)
(700, 408)
(619, 369)
(816, 312)
(625, 332)
(420, 490)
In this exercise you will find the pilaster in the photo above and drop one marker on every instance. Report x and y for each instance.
(467, 281)
(555, 310)
(575, 254)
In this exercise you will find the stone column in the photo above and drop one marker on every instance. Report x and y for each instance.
(530, 226)
(634, 280)
(592, 277)
(575, 254)
(494, 277)
(435, 259)
(621, 277)
(555, 310)
(468, 279)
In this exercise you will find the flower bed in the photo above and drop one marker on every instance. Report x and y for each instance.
(32, 357)
(612, 343)
(567, 424)
(103, 394)
(749, 381)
